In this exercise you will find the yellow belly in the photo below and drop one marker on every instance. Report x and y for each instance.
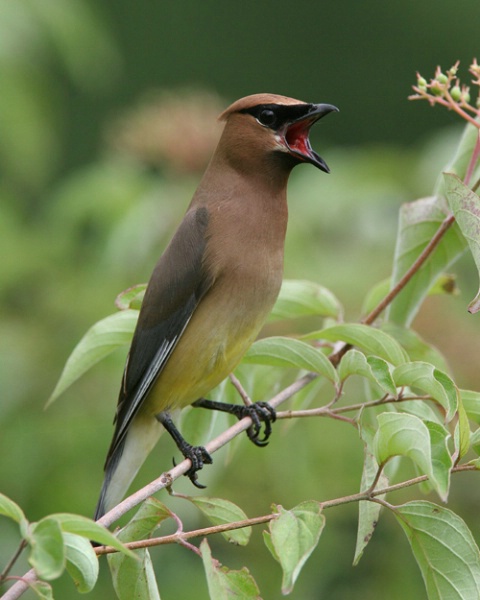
(212, 345)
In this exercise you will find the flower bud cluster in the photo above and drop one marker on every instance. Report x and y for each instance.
(445, 88)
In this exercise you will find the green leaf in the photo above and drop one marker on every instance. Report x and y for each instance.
(369, 339)
(435, 383)
(444, 284)
(289, 352)
(401, 434)
(82, 562)
(135, 577)
(416, 348)
(463, 156)
(47, 555)
(90, 530)
(444, 549)
(293, 536)
(368, 512)
(441, 460)
(299, 298)
(465, 205)
(462, 431)
(223, 583)
(419, 221)
(475, 442)
(10, 509)
(100, 340)
(42, 589)
(132, 297)
(375, 295)
(219, 511)
(471, 404)
(373, 368)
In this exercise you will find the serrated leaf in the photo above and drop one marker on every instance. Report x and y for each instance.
(47, 554)
(298, 298)
(135, 577)
(471, 404)
(294, 534)
(219, 511)
(373, 368)
(444, 549)
(368, 512)
(288, 352)
(223, 583)
(369, 339)
(465, 205)
(87, 528)
(418, 223)
(82, 562)
(425, 377)
(100, 340)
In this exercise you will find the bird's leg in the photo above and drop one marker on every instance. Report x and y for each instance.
(257, 411)
(197, 455)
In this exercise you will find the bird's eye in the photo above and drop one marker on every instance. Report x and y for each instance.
(267, 117)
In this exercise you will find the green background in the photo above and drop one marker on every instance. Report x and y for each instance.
(87, 92)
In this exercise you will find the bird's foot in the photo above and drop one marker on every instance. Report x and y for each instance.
(198, 456)
(259, 412)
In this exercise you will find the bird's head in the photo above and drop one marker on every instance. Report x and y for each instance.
(271, 126)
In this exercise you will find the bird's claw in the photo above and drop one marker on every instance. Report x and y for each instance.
(259, 412)
(198, 456)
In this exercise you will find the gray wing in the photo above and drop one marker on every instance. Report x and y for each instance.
(176, 286)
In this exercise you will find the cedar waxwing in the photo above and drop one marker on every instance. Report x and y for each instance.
(213, 287)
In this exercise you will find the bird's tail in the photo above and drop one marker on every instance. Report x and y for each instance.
(125, 461)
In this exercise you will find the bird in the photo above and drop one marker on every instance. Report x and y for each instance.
(213, 287)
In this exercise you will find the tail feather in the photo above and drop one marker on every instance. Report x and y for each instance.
(125, 461)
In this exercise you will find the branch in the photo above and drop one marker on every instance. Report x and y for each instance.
(166, 479)
(426, 252)
(181, 536)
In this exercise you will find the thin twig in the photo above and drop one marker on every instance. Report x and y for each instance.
(426, 252)
(181, 537)
(240, 389)
(367, 495)
(12, 561)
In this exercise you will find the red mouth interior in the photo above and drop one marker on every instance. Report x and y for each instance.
(297, 137)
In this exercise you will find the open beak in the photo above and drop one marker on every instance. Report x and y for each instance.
(295, 134)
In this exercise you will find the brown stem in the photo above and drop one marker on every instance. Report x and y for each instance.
(369, 494)
(398, 287)
(12, 561)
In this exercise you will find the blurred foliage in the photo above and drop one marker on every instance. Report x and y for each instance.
(82, 219)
